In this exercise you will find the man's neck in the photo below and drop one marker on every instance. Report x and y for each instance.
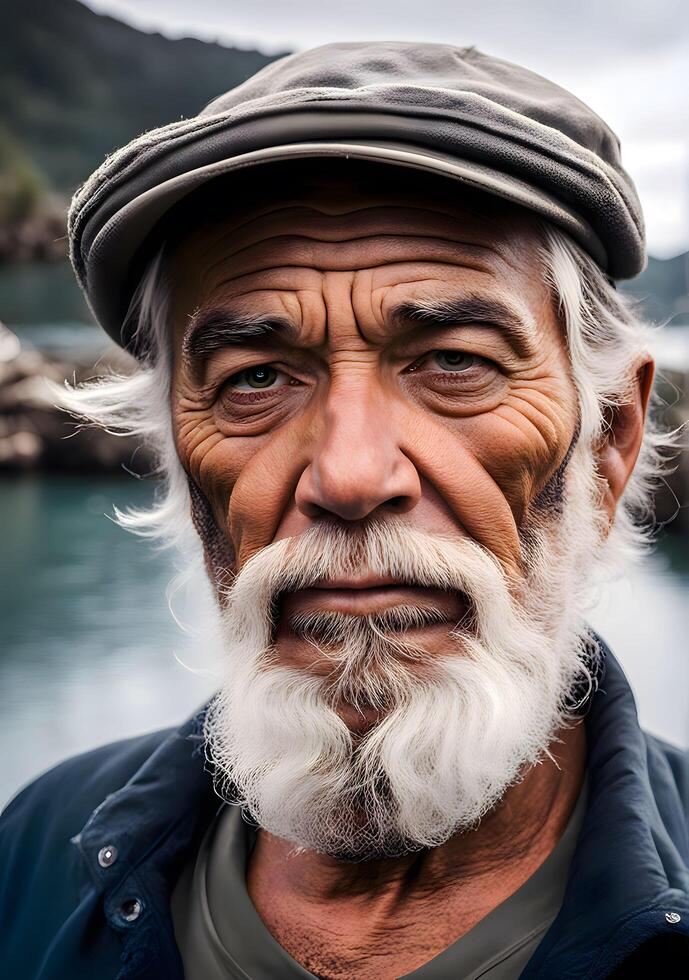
(417, 904)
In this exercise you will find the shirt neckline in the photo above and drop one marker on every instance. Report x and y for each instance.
(244, 944)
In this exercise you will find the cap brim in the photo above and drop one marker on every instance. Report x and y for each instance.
(120, 240)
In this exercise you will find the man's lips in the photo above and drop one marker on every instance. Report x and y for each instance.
(367, 596)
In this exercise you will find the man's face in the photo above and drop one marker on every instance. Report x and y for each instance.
(411, 364)
(372, 392)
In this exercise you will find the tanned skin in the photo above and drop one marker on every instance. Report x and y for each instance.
(350, 416)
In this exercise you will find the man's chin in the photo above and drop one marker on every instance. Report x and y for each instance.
(356, 836)
(366, 851)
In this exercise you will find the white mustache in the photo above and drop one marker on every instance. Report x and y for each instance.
(389, 549)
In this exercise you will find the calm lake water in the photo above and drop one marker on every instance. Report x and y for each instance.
(91, 653)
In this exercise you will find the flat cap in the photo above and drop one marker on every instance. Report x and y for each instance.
(482, 121)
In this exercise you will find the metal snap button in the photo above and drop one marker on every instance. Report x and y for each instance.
(107, 855)
(131, 909)
(673, 918)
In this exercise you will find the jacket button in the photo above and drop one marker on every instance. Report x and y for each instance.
(673, 918)
(131, 909)
(107, 855)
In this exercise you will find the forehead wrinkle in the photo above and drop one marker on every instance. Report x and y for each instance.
(288, 298)
(309, 210)
(465, 266)
(294, 240)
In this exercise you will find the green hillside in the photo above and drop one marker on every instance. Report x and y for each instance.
(75, 85)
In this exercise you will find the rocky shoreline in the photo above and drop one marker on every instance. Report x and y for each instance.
(37, 435)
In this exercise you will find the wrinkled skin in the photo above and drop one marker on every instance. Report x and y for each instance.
(364, 418)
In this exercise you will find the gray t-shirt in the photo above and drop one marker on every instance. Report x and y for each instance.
(222, 937)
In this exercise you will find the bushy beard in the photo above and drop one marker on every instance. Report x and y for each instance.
(453, 732)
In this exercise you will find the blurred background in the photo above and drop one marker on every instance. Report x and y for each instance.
(89, 650)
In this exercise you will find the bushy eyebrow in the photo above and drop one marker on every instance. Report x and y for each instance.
(213, 329)
(471, 309)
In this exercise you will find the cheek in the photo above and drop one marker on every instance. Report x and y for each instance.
(489, 467)
(523, 442)
(248, 480)
(202, 452)
(268, 473)
(446, 458)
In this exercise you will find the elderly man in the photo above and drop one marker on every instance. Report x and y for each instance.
(397, 400)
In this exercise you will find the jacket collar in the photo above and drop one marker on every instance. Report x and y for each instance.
(166, 797)
(628, 879)
(150, 825)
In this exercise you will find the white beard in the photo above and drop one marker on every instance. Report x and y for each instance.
(454, 732)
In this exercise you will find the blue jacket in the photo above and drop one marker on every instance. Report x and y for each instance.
(90, 851)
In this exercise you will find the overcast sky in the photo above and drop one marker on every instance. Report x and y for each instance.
(628, 59)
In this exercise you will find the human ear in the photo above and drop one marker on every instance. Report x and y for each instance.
(621, 442)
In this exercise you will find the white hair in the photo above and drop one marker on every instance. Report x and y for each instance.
(606, 337)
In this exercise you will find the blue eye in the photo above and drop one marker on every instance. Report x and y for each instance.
(454, 360)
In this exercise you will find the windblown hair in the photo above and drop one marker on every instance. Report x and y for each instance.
(606, 336)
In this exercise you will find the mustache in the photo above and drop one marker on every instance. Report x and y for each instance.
(387, 549)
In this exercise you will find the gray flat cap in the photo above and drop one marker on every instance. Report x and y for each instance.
(433, 107)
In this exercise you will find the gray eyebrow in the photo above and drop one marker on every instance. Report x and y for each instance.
(471, 309)
(212, 329)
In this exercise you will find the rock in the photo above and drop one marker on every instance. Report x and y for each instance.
(21, 450)
(34, 433)
(30, 393)
(37, 237)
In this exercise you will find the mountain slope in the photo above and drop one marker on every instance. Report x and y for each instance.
(75, 85)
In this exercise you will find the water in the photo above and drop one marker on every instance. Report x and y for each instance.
(90, 652)
(88, 643)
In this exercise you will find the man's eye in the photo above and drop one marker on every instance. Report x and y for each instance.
(262, 376)
(454, 360)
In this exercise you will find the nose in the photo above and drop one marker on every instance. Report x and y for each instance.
(358, 468)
